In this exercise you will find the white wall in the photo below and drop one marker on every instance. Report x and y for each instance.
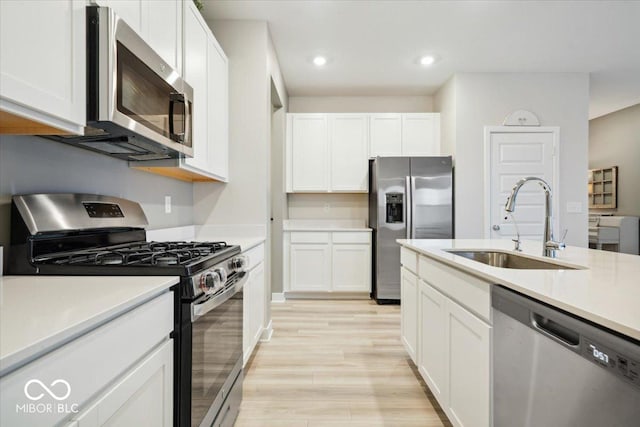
(558, 99)
(444, 102)
(614, 140)
(360, 104)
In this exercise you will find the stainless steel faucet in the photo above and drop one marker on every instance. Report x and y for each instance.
(550, 246)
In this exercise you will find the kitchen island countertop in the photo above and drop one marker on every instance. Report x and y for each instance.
(606, 290)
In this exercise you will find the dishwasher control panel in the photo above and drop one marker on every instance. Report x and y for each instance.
(616, 362)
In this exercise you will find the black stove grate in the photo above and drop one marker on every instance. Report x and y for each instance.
(137, 254)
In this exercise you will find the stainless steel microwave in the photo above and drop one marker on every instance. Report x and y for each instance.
(138, 106)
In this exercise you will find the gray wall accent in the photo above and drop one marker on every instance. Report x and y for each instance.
(30, 164)
(614, 140)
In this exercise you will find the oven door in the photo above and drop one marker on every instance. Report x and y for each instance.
(133, 92)
(216, 351)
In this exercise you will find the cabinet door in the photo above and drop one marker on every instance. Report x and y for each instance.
(259, 304)
(385, 135)
(195, 73)
(42, 62)
(409, 311)
(351, 268)
(162, 29)
(469, 345)
(432, 354)
(144, 397)
(218, 112)
(421, 134)
(349, 159)
(310, 266)
(247, 318)
(130, 11)
(309, 152)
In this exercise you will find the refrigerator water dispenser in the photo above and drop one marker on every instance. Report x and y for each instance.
(394, 207)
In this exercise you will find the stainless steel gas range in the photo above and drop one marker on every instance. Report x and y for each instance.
(85, 234)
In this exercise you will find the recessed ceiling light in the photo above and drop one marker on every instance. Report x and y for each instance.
(427, 60)
(319, 61)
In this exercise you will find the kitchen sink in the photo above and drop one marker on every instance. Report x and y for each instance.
(510, 260)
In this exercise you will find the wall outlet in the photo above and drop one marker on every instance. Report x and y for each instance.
(574, 207)
(327, 207)
(167, 204)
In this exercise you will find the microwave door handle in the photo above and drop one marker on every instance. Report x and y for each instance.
(176, 97)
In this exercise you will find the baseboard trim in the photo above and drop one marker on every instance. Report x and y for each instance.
(267, 332)
(328, 295)
(277, 297)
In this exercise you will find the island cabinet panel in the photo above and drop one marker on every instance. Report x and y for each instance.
(469, 291)
(432, 355)
(408, 319)
(469, 346)
(447, 332)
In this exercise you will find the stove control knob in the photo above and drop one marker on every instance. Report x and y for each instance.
(222, 274)
(210, 282)
(238, 264)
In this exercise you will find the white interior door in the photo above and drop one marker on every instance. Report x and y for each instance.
(514, 154)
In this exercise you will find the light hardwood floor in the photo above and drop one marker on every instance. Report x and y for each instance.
(335, 363)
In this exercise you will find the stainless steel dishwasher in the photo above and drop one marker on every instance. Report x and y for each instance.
(552, 369)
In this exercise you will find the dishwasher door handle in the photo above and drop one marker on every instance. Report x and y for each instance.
(552, 329)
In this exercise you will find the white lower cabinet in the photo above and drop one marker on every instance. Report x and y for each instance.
(409, 301)
(452, 345)
(253, 309)
(327, 262)
(432, 355)
(350, 267)
(469, 346)
(310, 267)
(144, 397)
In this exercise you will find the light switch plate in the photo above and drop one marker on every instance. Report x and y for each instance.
(167, 204)
(574, 207)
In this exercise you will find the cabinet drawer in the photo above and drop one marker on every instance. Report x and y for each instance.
(89, 363)
(309, 237)
(466, 290)
(351, 237)
(409, 259)
(255, 255)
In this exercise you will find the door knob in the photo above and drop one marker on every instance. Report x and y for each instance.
(496, 227)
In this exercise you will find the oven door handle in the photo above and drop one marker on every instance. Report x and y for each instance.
(200, 309)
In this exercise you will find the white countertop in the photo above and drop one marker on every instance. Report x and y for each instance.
(607, 292)
(324, 225)
(41, 313)
(246, 236)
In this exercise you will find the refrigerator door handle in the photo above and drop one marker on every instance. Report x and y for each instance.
(413, 207)
(408, 203)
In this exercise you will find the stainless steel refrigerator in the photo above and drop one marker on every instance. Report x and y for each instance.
(409, 198)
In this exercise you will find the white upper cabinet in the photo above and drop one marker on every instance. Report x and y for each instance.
(348, 147)
(421, 134)
(42, 67)
(309, 151)
(385, 135)
(218, 110)
(162, 29)
(195, 74)
(206, 69)
(327, 153)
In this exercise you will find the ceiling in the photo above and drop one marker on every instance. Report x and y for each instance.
(373, 46)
